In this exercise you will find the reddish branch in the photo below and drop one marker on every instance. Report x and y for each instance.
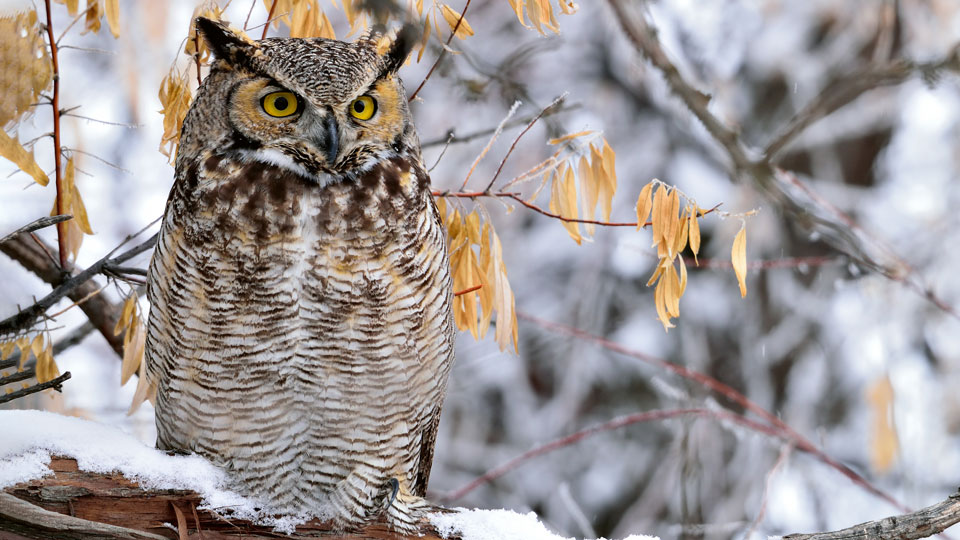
(503, 162)
(630, 419)
(55, 103)
(443, 51)
(798, 440)
(470, 290)
(266, 27)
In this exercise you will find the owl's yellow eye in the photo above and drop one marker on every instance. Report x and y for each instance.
(363, 108)
(280, 104)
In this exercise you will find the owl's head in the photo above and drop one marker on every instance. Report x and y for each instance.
(317, 106)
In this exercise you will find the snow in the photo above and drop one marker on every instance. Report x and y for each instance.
(498, 525)
(32, 437)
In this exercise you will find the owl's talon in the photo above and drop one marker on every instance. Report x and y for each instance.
(395, 488)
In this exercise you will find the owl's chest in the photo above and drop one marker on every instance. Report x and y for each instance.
(260, 232)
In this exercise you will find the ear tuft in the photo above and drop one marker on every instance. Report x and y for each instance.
(227, 44)
(407, 37)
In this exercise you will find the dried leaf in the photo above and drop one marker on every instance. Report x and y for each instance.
(26, 70)
(644, 204)
(94, 12)
(175, 99)
(72, 6)
(517, 6)
(146, 390)
(738, 255)
(694, 234)
(657, 216)
(659, 301)
(452, 17)
(425, 39)
(6, 349)
(125, 315)
(589, 193)
(683, 276)
(563, 201)
(679, 239)
(570, 136)
(671, 292)
(11, 149)
(46, 368)
(671, 221)
(608, 182)
(112, 10)
(132, 352)
(883, 434)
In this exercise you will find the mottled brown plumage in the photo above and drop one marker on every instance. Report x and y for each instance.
(300, 329)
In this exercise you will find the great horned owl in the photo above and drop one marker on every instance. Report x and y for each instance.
(300, 330)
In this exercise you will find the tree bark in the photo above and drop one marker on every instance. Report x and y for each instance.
(78, 505)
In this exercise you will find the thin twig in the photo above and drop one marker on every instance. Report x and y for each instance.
(470, 290)
(35, 225)
(493, 138)
(843, 91)
(104, 122)
(630, 419)
(801, 442)
(55, 101)
(503, 162)
(246, 21)
(27, 316)
(781, 460)
(266, 27)
(443, 51)
(452, 138)
(54, 383)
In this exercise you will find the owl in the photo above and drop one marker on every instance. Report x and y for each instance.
(300, 331)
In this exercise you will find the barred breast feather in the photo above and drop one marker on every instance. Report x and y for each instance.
(301, 335)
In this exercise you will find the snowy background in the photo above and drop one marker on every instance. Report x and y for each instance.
(807, 343)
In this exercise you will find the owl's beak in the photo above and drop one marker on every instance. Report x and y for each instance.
(332, 138)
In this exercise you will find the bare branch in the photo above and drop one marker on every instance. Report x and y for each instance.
(799, 441)
(34, 226)
(452, 138)
(503, 162)
(443, 51)
(56, 384)
(630, 419)
(98, 309)
(843, 91)
(55, 101)
(920, 524)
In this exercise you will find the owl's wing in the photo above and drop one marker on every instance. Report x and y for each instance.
(427, 442)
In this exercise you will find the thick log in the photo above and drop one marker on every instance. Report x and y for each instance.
(73, 504)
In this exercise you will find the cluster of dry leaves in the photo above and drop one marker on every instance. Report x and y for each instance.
(26, 74)
(41, 346)
(132, 324)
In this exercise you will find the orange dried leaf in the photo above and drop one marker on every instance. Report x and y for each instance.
(608, 182)
(738, 255)
(644, 204)
(660, 303)
(126, 313)
(11, 149)
(92, 21)
(570, 136)
(884, 445)
(112, 11)
(694, 234)
(671, 221)
(589, 193)
(452, 17)
(683, 276)
(132, 352)
(146, 391)
(657, 214)
(26, 70)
